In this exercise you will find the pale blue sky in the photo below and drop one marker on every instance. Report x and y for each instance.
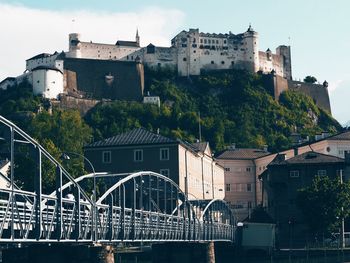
(318, 31)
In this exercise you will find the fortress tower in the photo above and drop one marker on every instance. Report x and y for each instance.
(284, 52)
(252, 49)
(74, 45)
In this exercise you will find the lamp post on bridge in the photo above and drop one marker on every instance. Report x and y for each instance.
(65, 156)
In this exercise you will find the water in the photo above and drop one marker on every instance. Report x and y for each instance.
(331, 257)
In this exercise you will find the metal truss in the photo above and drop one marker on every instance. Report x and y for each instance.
(142, 206)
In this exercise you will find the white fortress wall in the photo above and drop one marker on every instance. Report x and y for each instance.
(42, 60)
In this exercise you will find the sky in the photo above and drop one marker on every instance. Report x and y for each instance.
(318, 31)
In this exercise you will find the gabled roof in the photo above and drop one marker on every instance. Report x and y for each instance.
(42, 55)
(138, 136)
(127, 43)
(200, 146)
(242, 154)
(340, 136)
(307, 158)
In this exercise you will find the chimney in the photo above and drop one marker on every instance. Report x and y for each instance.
(265, 148)
(296, 151)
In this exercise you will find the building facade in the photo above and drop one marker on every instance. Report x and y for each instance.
(243, 190)
(191, 166)
(282, 181)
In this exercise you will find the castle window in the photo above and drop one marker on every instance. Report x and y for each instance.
(205, 41)
(217, 41)
(164, 154)
(184, 45)
(184, 59)
(194, 51)
(106, 157)
(194, 45)
(294, 174)
(195, 60)
(249, 187)
(232, 63)
(201, 40)
(225, 41)
(212, 62)
(127, 57)
(222, 62)
(138, 155)
(164, 172)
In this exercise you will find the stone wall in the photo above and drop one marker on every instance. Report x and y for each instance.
(105, 79)
(318, 92)
(68, 102)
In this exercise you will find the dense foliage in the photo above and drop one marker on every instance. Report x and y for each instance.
(232, 106)
(324, 204)
(57, 131)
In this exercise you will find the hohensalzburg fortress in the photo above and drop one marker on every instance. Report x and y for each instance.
(191, 52)
(115, 71)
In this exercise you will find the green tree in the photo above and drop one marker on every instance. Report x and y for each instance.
(310, 79)
(324, 203)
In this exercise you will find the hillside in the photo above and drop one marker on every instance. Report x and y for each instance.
(234, 107)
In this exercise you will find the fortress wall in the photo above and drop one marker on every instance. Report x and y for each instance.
(267, 65)
(317, 92)
(82, 105)
(44, 61)
(162, 56)
(116, 80)
(275, 84)
(103, 51)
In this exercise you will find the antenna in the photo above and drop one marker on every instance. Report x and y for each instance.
(73, 25)
(199, 126)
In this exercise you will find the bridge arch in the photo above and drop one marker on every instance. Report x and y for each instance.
(30, 214)
(142, 202)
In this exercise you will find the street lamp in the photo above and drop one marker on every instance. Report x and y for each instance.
(342, 236)
(65, 156)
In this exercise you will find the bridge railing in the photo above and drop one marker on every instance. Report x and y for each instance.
(142, 206)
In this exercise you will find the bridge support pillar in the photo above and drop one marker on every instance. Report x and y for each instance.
(184, 252)
(103, 254)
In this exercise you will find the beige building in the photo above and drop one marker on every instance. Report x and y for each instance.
(242, 169)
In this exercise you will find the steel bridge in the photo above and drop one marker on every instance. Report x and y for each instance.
(42, 202)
